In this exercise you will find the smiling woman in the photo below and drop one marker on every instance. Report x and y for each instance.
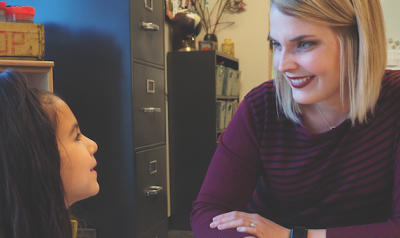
(300, 57)
(361, 48)
(314, 152)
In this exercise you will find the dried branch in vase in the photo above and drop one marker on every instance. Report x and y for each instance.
(202, 9)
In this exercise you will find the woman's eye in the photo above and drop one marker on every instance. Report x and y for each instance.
(276, 44)
(305, 45)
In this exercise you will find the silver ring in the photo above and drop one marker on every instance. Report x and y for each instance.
(252, 225)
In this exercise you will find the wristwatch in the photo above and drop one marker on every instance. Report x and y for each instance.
(298, 232)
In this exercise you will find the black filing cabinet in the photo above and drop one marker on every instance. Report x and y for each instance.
(147, 25)
(148, 105)
(109, 67)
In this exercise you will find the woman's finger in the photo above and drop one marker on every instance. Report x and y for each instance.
(233, 215)
(234, 224)
(251, 230)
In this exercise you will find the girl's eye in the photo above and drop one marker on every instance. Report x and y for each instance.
(78, 136)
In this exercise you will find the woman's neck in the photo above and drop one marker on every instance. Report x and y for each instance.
(321, 117)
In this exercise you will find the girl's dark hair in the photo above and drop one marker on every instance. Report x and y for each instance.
(31, 189)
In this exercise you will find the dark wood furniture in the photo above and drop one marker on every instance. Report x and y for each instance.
(192, 125)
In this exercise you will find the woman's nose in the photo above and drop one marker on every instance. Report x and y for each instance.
(286, 62)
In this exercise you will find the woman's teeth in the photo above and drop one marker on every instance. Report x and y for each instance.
(301, 80)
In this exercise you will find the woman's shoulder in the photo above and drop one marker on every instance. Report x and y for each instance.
(390, 89)
(264, 92)
(391, 79)
(261, 101)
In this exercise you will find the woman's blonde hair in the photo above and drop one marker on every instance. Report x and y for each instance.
(360, 28)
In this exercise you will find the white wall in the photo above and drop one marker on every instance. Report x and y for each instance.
(390, 10)
(250, 36)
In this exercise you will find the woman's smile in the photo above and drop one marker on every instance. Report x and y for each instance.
(300, 82)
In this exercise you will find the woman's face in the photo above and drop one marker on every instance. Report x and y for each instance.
(309, 56)
(77, 157)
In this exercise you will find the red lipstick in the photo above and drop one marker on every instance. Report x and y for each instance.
(300, 82)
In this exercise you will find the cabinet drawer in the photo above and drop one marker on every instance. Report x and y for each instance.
(147, 30)
(148, 105)
(159, 231)
(151, 188)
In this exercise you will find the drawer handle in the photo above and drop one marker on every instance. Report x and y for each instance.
(148, 26)
(151, 109)
(153, 190)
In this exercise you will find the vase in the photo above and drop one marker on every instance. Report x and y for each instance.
(212, 37)
(185, 29)
(228, 47)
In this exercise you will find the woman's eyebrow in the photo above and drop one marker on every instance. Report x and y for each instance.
(302, 37)
(297, 38)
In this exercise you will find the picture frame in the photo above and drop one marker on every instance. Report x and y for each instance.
(206, 45)
(170, 8)
(86, 233)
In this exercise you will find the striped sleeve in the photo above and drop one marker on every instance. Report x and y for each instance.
(232, 175)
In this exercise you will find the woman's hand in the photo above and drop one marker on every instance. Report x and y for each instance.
(241, 222)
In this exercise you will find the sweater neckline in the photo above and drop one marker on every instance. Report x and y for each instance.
(345, 125)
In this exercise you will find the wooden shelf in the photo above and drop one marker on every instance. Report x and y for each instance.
(228, 97)
(39, 73)
(219, 53)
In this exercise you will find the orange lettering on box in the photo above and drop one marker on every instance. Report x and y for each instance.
(14, 43)
(5, 41)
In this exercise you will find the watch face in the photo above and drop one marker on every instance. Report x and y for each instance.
(299, 232)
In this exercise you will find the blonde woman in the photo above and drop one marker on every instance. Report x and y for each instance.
(315, 152)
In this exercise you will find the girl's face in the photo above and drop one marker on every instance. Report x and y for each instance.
(308, 55)
(77, 157)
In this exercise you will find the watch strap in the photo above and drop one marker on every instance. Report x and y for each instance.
(299, 232)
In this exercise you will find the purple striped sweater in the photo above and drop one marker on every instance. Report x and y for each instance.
(346, 180)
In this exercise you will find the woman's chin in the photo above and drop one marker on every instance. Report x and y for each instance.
(303, 100)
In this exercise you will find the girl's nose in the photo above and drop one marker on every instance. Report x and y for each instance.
(95, 147)
(91, 146)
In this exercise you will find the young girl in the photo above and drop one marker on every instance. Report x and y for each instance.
(46, 163)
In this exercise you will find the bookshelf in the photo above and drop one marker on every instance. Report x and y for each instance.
(39, 73)
(191, 80)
